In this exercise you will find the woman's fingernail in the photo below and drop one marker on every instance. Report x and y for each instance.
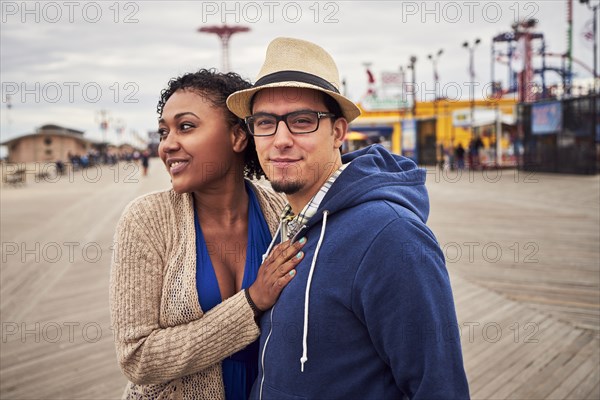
(303, 240)
(299, 255)
(292, 272)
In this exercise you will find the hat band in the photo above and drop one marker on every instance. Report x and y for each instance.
(296, 76)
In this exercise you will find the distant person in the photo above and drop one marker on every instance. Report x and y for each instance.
(441, 156)
(84, 161)
(145, 160)
(370, 313)
(74, 160)
(474, 146)
(187, 284)
(459, 154)
(479, 147)
(60, 167)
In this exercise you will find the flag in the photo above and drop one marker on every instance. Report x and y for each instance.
(391, 78)
(587, 34)
(370, 76)
(371, 83)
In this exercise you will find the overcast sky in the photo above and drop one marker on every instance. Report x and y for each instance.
(62, 62)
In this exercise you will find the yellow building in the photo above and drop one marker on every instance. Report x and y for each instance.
(442, 122)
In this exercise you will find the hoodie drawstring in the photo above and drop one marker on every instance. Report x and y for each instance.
(262, 360)
(304, 357)
(264, 256)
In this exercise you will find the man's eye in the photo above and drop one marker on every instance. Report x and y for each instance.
(264, 122)
(301, 120)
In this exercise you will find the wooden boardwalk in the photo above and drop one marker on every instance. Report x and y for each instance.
(533, 237)
(524, 253)
(528, 318)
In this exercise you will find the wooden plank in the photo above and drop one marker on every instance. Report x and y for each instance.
(586, 387)
(595, 393)
(555, 372)
(580, 381)
(498, 356)
(525, 367)
(486, 351)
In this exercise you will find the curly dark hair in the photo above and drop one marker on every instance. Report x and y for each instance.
(217, 86)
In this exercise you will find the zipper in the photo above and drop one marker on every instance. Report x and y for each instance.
(262, 357)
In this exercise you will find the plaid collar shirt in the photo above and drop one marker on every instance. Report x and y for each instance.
(292, 224)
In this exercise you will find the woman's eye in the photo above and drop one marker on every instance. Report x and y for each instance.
(185, 126)
(162, 133)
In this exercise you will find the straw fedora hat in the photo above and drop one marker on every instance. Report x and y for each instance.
(299, 64)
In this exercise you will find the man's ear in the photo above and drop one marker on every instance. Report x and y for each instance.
(340, 129)
(239, 138)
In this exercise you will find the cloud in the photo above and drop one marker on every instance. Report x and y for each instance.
(131, 49)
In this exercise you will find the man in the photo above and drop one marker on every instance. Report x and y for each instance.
(369, 314)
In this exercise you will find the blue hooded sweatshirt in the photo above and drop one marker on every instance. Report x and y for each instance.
(370, 313)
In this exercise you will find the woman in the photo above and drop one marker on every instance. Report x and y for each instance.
(183, 292)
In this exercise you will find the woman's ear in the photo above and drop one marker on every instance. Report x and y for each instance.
(239, 138)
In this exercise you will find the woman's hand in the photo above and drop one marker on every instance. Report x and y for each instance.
(275, 273)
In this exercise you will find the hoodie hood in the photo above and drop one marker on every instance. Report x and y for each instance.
(376, 174)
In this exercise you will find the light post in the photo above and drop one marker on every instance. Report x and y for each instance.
(413, 61)
(8, 108)
(471, 49)
(594, 10)
(103, 117)
(436, 78)
(434, 61)
(596, 88)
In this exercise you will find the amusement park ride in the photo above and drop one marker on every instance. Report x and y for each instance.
(519, 55)
(224, 33)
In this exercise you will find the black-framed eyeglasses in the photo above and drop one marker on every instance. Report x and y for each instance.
(297, 122)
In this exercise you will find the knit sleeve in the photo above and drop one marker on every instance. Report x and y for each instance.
(149, 353)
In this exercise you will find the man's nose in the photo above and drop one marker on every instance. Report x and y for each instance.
(283, 136)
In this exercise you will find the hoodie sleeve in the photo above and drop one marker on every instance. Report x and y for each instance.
(402, 294)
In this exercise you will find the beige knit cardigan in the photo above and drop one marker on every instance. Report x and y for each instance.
(166, 346)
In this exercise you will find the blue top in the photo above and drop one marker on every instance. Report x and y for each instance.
(381, 322)
(239, 369)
